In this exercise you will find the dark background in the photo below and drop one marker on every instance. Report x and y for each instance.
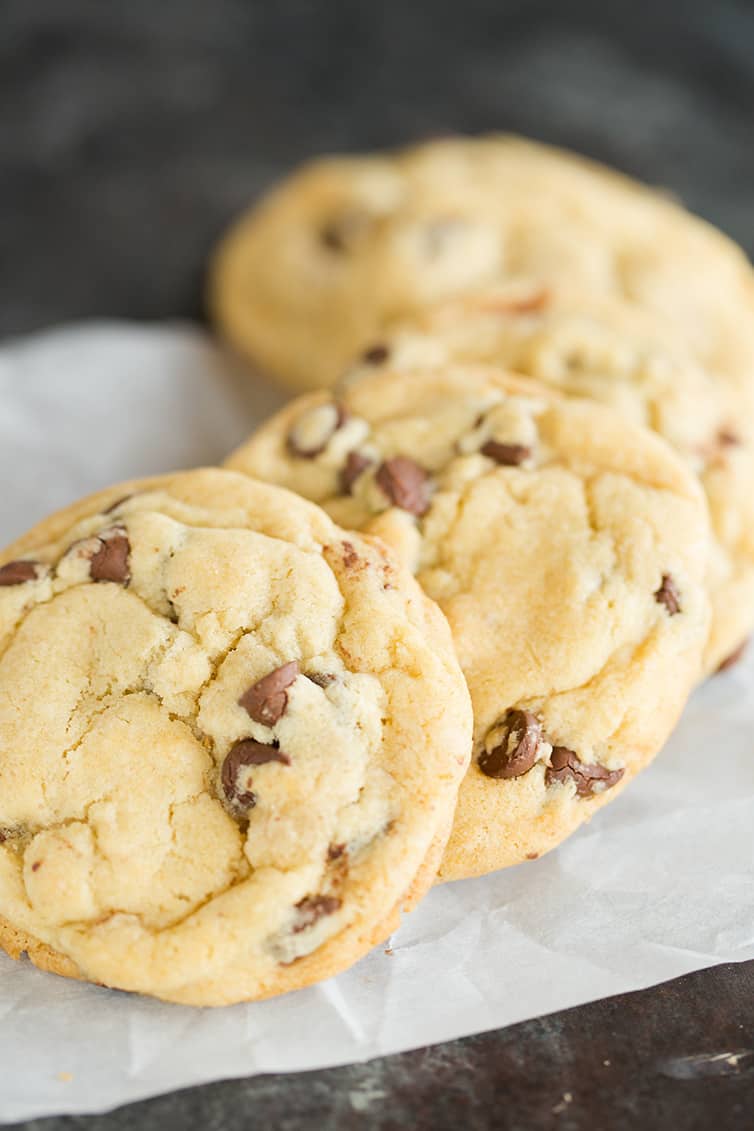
(130, 133)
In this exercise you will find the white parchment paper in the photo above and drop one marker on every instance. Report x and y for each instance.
(660, 884)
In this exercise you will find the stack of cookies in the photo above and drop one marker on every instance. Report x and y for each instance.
(428, 619)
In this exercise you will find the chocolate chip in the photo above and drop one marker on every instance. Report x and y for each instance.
(110, 563)
(322, 679)
(668, 595)
(566, 766)
(335, 852)
(727, 438)
(339, 233)
(355, 465)
(510, 455)
(36, 865)
(315, 428)
(376, 354)
(734, 658)
(405, 483)
(16, 573)
(267, 699)
(312, 908)
(516, 752)
(332, 237)
(248, 752)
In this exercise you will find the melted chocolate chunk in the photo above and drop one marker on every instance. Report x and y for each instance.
(406, 484)
(668, 595)
(16, 573)
(516, 752)
(267, 699)
(110, 563)
(312, 908)
(248, 752)
(566, 766)
(332, 237)
(314, 429)
(376, 354)
(335, 852)
(339, 233)
(509, 455)
(355, 465)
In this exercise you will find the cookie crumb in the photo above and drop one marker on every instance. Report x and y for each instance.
(561, 1107)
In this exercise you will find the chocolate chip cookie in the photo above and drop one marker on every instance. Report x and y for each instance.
(587, 345)
(307, 279)
(568, 549)
(232, 737)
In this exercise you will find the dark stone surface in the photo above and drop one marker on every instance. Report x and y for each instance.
(680, 1056)
(129, 135)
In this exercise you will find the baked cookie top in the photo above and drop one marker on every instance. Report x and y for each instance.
(230, 736)
(307, 278)
(635, 361)
(568, 549)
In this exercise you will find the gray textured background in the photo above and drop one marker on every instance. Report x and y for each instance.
(131, 132)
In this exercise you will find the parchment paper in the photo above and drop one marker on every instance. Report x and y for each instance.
(661, 883)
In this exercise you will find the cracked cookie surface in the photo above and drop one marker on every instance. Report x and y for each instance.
(568, 550)
(587, 345)
(306, 280)
(231, 737)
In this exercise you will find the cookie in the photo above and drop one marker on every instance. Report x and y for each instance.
(231, 738)
(568, 549)
(306, 280)
(587, 345)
